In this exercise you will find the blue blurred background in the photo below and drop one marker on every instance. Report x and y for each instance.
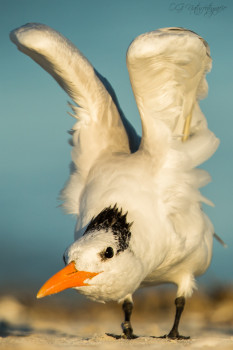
(34, 150)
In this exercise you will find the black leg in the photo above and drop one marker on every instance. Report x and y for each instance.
(126, 325)
(174, 334)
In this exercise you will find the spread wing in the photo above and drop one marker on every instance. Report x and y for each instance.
(167, 69)
(100, 128)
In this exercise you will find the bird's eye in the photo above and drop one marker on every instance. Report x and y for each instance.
(108, 254)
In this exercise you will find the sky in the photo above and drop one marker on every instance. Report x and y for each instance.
(34, 151)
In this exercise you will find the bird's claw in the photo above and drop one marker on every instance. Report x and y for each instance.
(127, 331)
(175, 336)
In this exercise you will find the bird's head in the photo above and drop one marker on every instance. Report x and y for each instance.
(101, 264)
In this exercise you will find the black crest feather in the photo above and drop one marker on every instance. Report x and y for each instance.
(112, 218)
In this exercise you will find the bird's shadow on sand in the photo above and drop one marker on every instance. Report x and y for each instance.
(117, 336)
(227, 331)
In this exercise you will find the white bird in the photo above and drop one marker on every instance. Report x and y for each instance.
(139, 210)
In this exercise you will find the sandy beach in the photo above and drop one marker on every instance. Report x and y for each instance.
(69, 322)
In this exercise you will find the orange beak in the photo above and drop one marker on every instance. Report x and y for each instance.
(66, 278)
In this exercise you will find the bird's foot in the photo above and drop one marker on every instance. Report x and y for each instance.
(127, 331)
(175, 336)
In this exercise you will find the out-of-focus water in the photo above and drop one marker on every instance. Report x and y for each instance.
(34, 152)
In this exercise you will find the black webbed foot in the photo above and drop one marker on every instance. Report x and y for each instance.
(127, 331)
(175, 336)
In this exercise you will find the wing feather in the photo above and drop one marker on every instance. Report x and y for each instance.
(99, 127)
(60, 58)
(167, 70)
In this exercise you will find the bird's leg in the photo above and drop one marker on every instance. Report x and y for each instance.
(126, 325)
(174, 334)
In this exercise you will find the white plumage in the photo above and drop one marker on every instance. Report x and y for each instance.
(156, 183)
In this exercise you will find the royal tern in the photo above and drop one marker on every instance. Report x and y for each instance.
(139, 209)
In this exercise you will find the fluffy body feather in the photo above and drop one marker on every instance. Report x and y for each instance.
(158, 184)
